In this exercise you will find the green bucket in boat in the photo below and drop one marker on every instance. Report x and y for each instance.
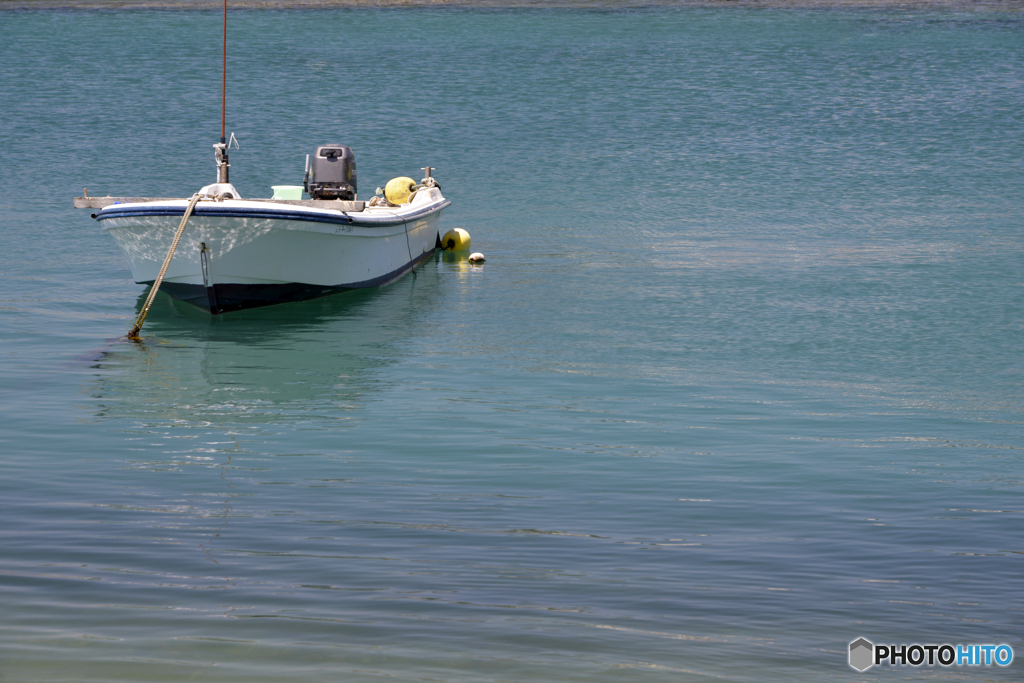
(287, 191)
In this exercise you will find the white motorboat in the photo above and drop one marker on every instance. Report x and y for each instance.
(236, 253)
(221, 252)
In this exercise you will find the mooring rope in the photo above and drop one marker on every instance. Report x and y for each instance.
(408, 245)
(405, 224)
(134, 334)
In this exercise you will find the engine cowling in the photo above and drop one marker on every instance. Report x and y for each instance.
(332, 173)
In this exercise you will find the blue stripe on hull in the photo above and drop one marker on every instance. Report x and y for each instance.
(276, 214)
(222, 213)
(228, 296)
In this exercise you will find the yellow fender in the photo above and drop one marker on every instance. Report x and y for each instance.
(398, 190)
(455, 239)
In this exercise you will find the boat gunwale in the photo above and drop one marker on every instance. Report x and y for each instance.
(225, 209)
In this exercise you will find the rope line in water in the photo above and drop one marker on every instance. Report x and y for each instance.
(408, 245)
(134, 333)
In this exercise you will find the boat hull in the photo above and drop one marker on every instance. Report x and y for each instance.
(236, 254)
(224, 297)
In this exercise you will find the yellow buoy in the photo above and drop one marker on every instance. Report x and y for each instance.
(455, 239)
(398, 189)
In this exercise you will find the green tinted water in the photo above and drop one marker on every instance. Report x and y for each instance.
(739, 383)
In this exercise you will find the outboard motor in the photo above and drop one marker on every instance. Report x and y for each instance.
(332, 173)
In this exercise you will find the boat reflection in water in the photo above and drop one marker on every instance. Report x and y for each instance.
(274, 364)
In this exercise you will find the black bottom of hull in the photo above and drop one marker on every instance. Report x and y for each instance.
(227, 297)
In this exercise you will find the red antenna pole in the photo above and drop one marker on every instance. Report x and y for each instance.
(224, 72)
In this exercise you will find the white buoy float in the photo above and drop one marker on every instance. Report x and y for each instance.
(476, 257)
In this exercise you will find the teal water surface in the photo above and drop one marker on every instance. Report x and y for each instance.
(739, 383)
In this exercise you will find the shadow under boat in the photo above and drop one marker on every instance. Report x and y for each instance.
(263, 365)
(181, 319)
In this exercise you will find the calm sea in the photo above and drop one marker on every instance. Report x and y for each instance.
(739, 383)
